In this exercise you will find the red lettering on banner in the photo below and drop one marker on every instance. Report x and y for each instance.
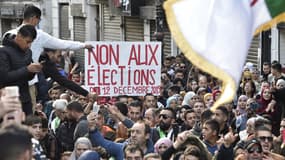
(125, 90)
(155, 89)
(98, 75)
(133, 55)
(105, 76)
(113, 73)
(129, 77)
(137, 77)
(152, 78)
(90, 72)
(89, 56)
(136, 73)
(95, 90)
(136, 55)
(104, 54)
(108, 76)
(152, 52)
(144, 77)
(122, 73)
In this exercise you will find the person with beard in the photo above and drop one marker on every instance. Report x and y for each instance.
(139, 135)
(128, 122)
(221, 115)
(64, 135)
(75, 112)
(166, 127)
(59, 112)
(65, 131)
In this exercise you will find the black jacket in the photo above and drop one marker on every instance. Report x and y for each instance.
(13, 68)
(50, 70)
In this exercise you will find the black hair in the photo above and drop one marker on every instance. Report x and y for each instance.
(169, 58)
(261, 122)
(206, 115)
(188, 112)
(121, 96)
(132, 148)
(262, 128)
(75, 106)
(179, 71)
(31, 11)
(253, 88)
(123, 108)
(194, 151)
(274, 61)
(44, 123)
(28, 31)
(266, 64)
(15, 140)
(214, 125)
(175, 89)
(136, 104)
(49, 50)
(32, 119)
(176, 80)
(171, 110)
(149, 94)
(277, 66)
(168, 75)
(224, 110)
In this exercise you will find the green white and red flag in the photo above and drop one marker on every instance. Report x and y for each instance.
(215, 35)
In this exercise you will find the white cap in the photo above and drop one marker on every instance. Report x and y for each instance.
(59, 104)
(249, 66)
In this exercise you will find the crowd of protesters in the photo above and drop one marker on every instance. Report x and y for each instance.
(177, 124)
(66, 122)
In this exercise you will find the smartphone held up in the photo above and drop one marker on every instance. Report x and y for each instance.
(96, 107)
(11, 91)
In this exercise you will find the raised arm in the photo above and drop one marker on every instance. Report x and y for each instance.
(114, 149)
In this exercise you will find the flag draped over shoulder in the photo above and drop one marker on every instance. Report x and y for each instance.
(215, 34)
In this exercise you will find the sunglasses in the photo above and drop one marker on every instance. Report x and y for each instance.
(162, 147)
(254, 149)
(164, 116)
(247, 79)
(264, 138)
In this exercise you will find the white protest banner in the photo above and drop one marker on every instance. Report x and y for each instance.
(123, 68)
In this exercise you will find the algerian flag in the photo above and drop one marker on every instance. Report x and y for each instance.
(216, 34)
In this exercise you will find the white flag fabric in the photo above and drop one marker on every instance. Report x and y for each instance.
(215, 35)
